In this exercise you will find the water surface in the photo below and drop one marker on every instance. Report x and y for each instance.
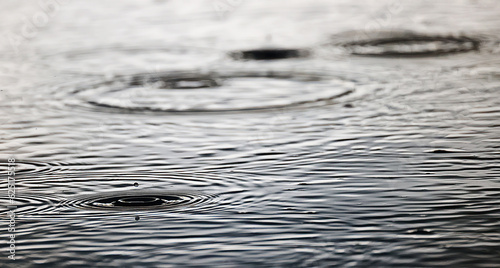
(251, 133)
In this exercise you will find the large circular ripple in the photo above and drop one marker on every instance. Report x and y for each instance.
(212, 92)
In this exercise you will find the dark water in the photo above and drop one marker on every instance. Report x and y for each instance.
(251, 133)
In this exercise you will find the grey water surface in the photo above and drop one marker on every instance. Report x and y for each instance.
(237, 133)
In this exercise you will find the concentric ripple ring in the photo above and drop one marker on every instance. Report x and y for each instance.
(143, 200)
(222, 91)
(405, 43)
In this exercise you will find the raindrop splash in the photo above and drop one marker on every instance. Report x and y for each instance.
(269, 54)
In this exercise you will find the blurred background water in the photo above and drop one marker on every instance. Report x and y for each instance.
(234, 133)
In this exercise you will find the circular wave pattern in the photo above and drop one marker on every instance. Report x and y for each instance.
(144, 200)
(407, 44)
(156, 191)
(34, 204)
(214, 92)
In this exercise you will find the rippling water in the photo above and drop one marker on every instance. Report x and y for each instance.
(251, 133)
